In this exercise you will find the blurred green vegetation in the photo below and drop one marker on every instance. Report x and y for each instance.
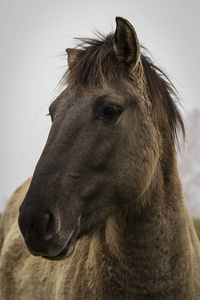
(197, 226)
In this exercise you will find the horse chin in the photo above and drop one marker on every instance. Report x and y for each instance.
(68, 249)
(65, 253)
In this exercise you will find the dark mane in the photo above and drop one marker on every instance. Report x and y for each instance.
(97, 64)
(163, 94)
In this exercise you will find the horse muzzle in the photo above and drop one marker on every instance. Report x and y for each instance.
(44, 236)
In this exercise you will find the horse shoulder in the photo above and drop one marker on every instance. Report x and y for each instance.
(12, 208)
(11, 242)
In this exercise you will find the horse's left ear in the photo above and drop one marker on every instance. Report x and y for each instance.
(72, 54)
(126, 45)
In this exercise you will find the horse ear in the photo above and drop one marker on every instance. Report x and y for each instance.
(126, 45)
(72, 55)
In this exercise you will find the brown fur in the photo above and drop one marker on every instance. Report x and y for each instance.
(106, 193)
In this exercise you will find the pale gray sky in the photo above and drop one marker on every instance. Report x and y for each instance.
(33, 37)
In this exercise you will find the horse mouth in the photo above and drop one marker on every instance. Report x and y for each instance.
(69, 247)
(65, 253)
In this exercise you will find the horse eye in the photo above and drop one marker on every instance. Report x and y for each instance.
(111, 111)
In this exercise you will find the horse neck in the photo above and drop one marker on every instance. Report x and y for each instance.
(152, 246)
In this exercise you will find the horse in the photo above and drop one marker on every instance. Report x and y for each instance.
(103, 216)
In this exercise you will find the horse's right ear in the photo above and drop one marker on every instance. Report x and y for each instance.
(126, 45)
(72, 54)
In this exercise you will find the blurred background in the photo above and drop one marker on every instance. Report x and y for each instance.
(33, 39)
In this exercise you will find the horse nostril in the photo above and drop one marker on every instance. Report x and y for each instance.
(50, 226)
(39, 229)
